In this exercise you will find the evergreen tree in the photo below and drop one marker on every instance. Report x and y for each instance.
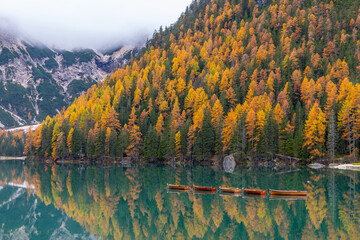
(183, 137)
(239, 141)
(151, 144)
(76, 143)
(171, 145)
(268, 143)
(332, 135)
(205, 139)
(299, 133)
(163, 146)
(100, 143)
(122, 143)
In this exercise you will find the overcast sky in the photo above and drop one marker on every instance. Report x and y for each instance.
(89, 23)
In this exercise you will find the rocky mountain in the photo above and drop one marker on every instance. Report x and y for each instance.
(36, 81)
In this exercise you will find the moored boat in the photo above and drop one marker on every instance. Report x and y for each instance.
(178, 187)
(230, 190)
(254, 191)
(288, 192)
(204, 188)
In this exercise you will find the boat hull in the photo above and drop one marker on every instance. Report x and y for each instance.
(204, 188)
(288, 193)
(254, 191)
(230, 190)
(178, 187)
(253, 196)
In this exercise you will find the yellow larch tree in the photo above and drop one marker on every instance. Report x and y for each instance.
(107, 141)
(259, 126)
(69, 139)
(160, 125)
(176, 122)
(189, 101)
(217, 113)
(279, 113)
(308, 92)
(228, 130)
(346, 122)
(199, 118)
(110, 119)
(133, 150)
(178, 144)
(28, 143)
(314, 134)
(331, 92)
(37, 137)
(137, 97)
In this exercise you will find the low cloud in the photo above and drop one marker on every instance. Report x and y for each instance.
(90, 23)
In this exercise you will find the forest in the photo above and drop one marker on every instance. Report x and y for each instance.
(227, 77)
(12, 143)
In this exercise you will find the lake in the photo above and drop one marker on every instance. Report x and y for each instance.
(43, 201)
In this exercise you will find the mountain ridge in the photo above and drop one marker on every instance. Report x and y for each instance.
(32, 73)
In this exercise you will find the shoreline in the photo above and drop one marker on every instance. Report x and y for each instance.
(9, 158)
(348, 166)
(214, 160)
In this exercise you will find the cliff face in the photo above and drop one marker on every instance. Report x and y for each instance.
(36, 81)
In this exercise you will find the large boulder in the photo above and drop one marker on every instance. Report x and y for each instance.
(229, 163)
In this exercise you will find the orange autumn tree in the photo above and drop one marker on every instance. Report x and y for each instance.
(229, 128)
(110, 119)
(315, 127)
(250, 126)
(133, 150)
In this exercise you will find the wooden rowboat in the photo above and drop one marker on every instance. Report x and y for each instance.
(178, 187)
(254, 191)
(230, 190)
(288, 192)
(204, 188)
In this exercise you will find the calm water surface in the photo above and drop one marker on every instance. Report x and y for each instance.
(40, 201)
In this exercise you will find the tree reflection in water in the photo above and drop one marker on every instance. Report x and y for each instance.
(133, 203)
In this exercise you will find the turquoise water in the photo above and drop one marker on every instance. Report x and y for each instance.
(116, 202)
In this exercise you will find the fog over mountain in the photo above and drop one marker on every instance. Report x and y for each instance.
(88, 24)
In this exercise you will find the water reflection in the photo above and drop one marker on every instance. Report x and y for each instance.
(133, 203)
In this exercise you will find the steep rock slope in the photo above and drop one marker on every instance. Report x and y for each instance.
(36, 81)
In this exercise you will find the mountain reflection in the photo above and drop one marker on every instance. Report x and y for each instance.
(113, 202)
